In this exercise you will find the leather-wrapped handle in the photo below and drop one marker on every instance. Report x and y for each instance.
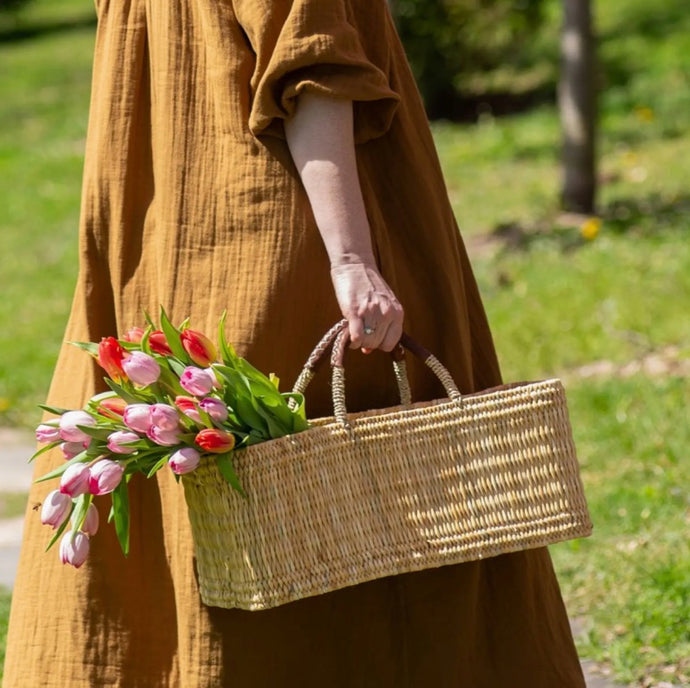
(406, 342)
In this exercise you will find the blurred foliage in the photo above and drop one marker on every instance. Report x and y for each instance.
(449, 41)
(12, 4)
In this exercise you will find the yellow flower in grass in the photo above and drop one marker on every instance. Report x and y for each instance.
(644, 114)
(4, 404)
(590, 228)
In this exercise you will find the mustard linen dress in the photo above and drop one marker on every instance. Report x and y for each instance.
(191, 200)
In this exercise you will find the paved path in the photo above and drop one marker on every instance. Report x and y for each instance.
(16, 475)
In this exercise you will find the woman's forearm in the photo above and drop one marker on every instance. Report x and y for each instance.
(321, 140)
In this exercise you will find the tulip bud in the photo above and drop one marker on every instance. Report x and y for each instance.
(74, 552)
(184, 460)
(118, 441)
(165, 438)
(47, 433)
(134, 335)
(55, 509)
(199, 347)
(75, 480)
(198, 381)
(71, 449)
(112, 407)
(110, 357)
(68, 426)
(165, 417)
(91, 521)
(215, 408)
(137, 417)
(105, 476)
(215, 441)
(188, 406)
(141, 368)
(159, 344)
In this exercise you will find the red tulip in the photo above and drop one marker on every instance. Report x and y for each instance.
(189, 407)
(159, 344)
(199, 347)
(215, 441)
(110, 357)
(113, 407)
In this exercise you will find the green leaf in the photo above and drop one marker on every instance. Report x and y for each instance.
(42, 450)
(177, 367)
(79, 512)
(98, 432)
(61, 529)
(79, 458)
(53, 409)
(228, 472)
(121, 515)
(227, 352)
(158, 465)
(122, 392)
(275, 380)
(89, 347)
(171, 381)
(145, 347)
(172, 334)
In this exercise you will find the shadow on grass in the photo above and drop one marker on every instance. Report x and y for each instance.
(19, 32)
(646, 216)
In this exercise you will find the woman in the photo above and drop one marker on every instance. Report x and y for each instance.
(229, 142)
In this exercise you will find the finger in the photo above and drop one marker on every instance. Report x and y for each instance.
(392, 337)
(356, 326)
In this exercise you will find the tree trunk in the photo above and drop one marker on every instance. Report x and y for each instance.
(577, 104)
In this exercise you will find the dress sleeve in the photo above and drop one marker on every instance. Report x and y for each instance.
(334, 47)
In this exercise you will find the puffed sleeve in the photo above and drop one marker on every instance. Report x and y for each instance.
(335, 47)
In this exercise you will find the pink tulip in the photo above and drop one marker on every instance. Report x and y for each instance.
(137, 417)
(47, 433)
(166, 438)
(75, 480)
(68, 426)
(71, 449)
(91, 521)
(165, 417)
(198, 381)
(118, 441)
(74, 553)
(55, 509)
(184, 460)
(105, 476)
(133, 335)
(141, 368)
(215, 408)
(188, 406)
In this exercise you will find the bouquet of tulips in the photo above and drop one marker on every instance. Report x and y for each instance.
(175, 400)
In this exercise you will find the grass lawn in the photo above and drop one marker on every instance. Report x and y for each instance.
(556, 300)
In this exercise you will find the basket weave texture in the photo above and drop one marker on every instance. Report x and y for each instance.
(403, 489)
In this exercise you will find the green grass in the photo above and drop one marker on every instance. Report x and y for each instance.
(555, 300)
(45, 82)
(12, 504)
(4, 618)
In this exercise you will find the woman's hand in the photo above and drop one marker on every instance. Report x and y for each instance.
(374, 314)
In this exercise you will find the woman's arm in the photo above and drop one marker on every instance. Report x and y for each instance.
(321, 141)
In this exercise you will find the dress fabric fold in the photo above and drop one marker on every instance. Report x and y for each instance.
(191, 201)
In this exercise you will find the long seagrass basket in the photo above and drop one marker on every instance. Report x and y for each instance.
(366, 495)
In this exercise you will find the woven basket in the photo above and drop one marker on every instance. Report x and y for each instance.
(366, 495)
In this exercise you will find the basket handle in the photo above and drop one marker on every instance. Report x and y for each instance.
(317, 357)
(406, 342)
